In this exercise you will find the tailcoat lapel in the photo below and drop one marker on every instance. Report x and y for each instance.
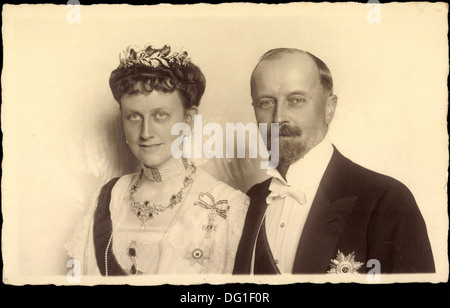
(327, 218)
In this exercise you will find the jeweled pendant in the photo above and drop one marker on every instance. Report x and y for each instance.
(132, 252)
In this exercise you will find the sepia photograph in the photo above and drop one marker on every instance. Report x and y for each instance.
(269, 144)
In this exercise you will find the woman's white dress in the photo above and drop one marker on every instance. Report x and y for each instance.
(202, 238)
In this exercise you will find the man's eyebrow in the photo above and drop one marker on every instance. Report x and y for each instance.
(304, 93)
(264, 96)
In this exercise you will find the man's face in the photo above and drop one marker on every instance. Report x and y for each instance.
(286, 89)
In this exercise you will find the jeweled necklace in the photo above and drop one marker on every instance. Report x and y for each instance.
(148, 210)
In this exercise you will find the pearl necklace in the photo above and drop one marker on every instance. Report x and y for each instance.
(175, 168)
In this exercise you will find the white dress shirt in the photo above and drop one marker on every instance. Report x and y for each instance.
(285, 216)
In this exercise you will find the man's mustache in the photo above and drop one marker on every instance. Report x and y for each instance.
(286, 130)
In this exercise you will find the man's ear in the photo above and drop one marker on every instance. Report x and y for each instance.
(330, 107)
(189, 115)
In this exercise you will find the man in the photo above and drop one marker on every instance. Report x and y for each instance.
(319, 212)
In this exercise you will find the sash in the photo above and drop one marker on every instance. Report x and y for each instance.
(102, 232)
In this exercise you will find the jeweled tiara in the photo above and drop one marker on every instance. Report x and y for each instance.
(153, 57)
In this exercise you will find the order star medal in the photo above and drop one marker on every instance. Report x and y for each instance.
(344, 264)
(198, 252)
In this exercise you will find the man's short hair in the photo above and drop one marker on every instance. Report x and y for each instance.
(324, 72)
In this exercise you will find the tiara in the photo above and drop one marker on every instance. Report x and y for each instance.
(153, 57)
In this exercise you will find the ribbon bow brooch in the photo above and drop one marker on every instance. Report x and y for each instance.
(206, 200)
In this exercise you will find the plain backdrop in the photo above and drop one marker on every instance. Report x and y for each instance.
(62, 138)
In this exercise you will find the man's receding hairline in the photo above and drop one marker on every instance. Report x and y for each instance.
(277, 53)
(280, 54)
(274, 53)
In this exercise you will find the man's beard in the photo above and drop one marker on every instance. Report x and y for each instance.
(291, 148)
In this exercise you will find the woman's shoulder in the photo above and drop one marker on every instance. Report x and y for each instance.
(119, 181)
(217, 187)
(115, 188)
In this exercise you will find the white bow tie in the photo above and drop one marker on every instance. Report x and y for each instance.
(279, 190)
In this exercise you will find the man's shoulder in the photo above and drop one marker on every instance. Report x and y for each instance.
(343, 172)
(367, 180)
(208, 182)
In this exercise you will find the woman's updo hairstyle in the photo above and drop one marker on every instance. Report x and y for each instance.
(160, 70)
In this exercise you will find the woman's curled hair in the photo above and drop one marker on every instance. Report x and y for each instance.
(187, 80)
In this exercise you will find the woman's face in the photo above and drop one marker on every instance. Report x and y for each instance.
(147, 121)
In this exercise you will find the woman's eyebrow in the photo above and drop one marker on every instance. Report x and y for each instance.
(131, 109)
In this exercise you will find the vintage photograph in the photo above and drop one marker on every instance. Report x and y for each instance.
(238, 142)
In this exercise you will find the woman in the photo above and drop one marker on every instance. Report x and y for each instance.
(170, 217)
